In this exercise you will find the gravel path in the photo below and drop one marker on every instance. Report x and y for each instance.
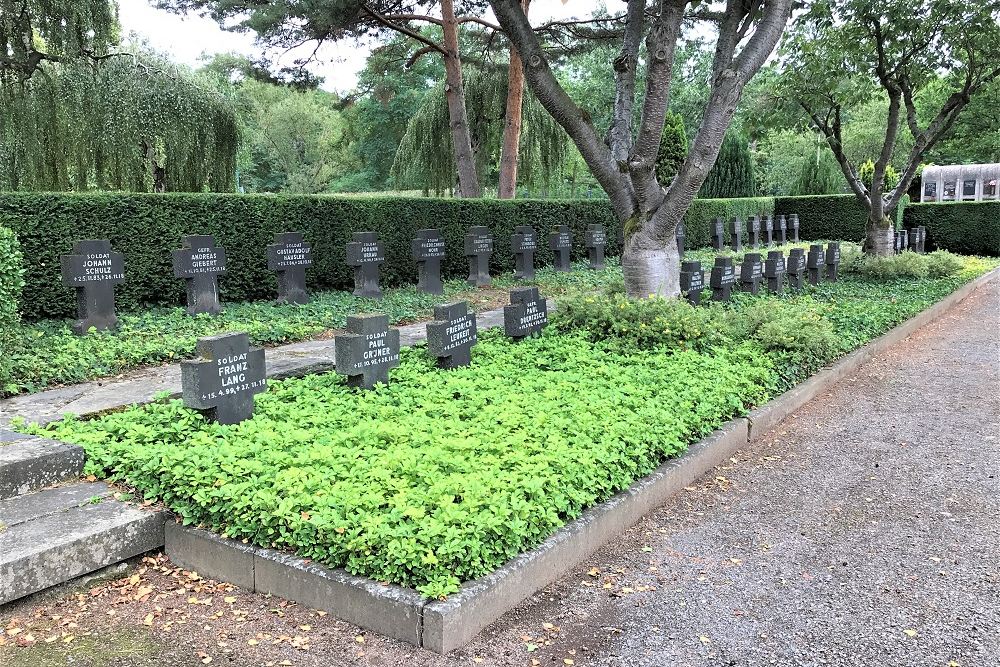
(865, 531)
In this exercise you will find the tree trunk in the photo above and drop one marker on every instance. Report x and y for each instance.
(461, 139)
(879, 232)
(650, 267)
(512, 123)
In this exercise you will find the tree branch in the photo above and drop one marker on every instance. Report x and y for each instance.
(403, 29)
(620, 132)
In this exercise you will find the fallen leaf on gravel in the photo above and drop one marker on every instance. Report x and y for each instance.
(359, 639)
(148, 620)
(647, 549)
(229, 599)
(567, 661)
(252, 642)
(910, 633)
(531, 647)
(705, 640)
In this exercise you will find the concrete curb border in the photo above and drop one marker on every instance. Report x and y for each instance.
(442, 626)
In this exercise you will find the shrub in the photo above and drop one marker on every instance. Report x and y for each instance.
(938, 264)
(732, 175)
(11, 283)
(673, 148)
(968, 228)
(942, 263)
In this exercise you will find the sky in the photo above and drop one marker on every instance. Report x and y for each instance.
(187, 38)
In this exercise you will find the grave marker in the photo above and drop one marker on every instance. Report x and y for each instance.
(736, 234)
(751, 272)
(922, 244)
(753, 228)
(479, 249)
(93, 270)
(200, 262)
(222, 382)
(692, 281)
(904, 240)
(561, 243)
(526, 314)
(290, 256)
(722, 279)
(814, 263)
(595, 240)
(679, 237)
(832, 260)
(718, 234)
(897, 243)
(774, 271)
(793, 226)
(768, 231)
(796, 268)
(366, 254)
(452, 334)
(524, 243)
(428, 250)
(781, 230)
(368, 350)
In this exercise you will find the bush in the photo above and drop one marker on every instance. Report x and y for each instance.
(968, 228)
(11, 283)
(938, 264)
(834, 217)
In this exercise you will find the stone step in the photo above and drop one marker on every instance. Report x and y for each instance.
(59, 546)
(28, 507)
(29, 463)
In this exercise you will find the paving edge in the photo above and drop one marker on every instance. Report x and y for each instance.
(442, 626)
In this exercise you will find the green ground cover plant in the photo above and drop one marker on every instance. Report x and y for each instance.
(47, 353)
(443, 476)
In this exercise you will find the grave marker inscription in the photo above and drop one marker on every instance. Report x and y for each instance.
(722, 279)
(774, 271)
(561, 243)
(222, 382)
(479, 249)
(814, 263)
(428, 250)
(200, 262)
(452, 334)
(524, 243)
(781, 230)
(679, 237)
(718, 234)
(366, 254)
(595, 240)
(93, 270)
(692, 281)
(526, 314)
(368, 350)
(753, 230)
(751, 272)
(290, 256)
(768, 230)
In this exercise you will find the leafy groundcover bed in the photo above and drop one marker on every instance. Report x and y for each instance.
(442, 476)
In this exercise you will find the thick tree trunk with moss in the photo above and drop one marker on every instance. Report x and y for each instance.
(461, 137)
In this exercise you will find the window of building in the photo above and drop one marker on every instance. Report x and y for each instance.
(930, 190)
(969, 189)
(949, 190)
(990, 187)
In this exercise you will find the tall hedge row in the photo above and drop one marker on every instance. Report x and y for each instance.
(11, 283)
(971, 228)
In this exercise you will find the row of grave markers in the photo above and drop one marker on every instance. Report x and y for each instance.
(759, 231)
(94, 269)
(228, 373)
(754, 270)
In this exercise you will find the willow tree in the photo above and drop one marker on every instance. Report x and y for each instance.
(78, 113)
(423, 160)
(842, 53)
(748, 31)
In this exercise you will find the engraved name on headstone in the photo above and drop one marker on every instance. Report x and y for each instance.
(679, 234)
(526, 314)
(368, 350)
(722, 279)
(479, 249)
(366, 254)
(222, 382)
(289, 256)
(751, 272)
(753, 231)
(93, 269)
(200, 262)
(524, 243)
(692, 282)
(452, 334)
(774, 271)
(561, 244)
(428, 251)
(796, 268)
(768, 231)
(814, 263)
(595, 240)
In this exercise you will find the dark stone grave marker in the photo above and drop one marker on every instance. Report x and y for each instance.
(753, 229)
(479, 249)
(222, 382)
(290, 256)
(793, 226)
(452, 334)
(428, 251)
(781, 230)
(768, 231)
(736, 234)
(814, 263)
(774, 271)
(561, 243)
(692, 282)
(751, 272)
(368, 350)
(93, 270)
(524, 243)
(526, 314)
(718, 234)
(832, 260)
(679, 237)
(922, 243)
(796, 268)
(904, 240)
(596, 240)
(897, 243)
(200, 263)
(722, 279)
(366, 254)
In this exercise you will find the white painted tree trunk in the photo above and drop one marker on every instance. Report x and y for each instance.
(651, 271)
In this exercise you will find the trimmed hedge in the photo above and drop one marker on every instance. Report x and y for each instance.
(11, 283)
(698, 219)
(971, 228)
(840, 217)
